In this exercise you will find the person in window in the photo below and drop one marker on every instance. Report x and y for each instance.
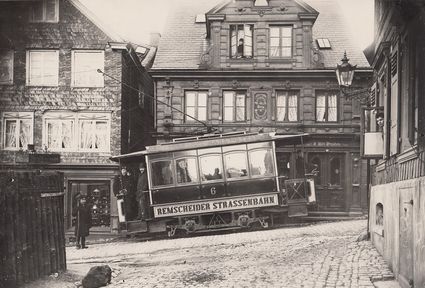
(182, 172)
(167, 175)
(240, 53)
(141, 192)
(216, 174)
(82, 214)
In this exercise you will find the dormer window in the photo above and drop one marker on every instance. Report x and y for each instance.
(44, 11)
(280, 41)
(324, 43)
(241, 41)
(261, 3)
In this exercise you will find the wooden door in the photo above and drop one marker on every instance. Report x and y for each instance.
(330, 181)
(406, 237)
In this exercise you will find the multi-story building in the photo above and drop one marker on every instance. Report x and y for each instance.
(56, 107)
(268, 66)
(397, 215)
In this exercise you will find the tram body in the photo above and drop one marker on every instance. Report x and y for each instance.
(220, 181)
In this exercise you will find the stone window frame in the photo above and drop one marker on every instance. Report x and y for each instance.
(100, 82)
(196, 105)
(288, 93)
(18, 117)
(6, 62)
(234, 106)
(77, 118)
(280, 37)
(44, 8)
(235, 54)
(40, 80)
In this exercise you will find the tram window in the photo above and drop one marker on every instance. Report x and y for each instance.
(261, 162)
(186, 170)
(211, 167)
(236, 166)
(234, 148)
(162, 173)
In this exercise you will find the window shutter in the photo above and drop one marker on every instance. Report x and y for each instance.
(394, 132)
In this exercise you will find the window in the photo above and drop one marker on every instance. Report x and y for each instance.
(17, 130)
(6, 66)
(44, 11)
(84, 68)
(162, 173)
(287, 106)
(241, 41)
(280, 41)
(234, 106)
(211, 166)
(236, 166)
(261, 162)
(196, 105)
(67, 131)
(261, 3)
(42, 67)
(323, 43)
(326, 107)
(186, 170)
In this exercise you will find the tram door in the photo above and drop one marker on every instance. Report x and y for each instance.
(330, 180)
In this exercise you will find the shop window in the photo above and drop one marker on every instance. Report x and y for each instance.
(379, 219)
(286, 106)
(84, 68)
(241, 44)
(162, 173)
(44, 11)
(17, 130)
(6, 66)
(335, 173)
(98, 198)
(280, 41)
(234, 106)
(196, 105)
(186, 170)
(42, 67)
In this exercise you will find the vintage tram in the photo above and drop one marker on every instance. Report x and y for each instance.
(219, 181)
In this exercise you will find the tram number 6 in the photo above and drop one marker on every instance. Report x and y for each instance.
(213, 191)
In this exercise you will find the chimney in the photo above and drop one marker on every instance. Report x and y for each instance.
(155, 37)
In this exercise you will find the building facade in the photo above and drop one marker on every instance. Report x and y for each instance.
(267, 66)
(397, 218)
(58, 112)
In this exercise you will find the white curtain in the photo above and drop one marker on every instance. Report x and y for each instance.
(101, 139)
(53, 135)
(67, 134)
(321, 108)
(292, 108)
(86, 134)
(240, 107)
(11, 134)
(281, 106)
(25, 133)
(332, 108)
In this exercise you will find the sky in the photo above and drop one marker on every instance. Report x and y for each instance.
(134, 20)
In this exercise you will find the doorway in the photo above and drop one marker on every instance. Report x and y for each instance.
(330, 180)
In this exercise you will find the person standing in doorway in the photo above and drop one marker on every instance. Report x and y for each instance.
(142, 189)
(82, 212)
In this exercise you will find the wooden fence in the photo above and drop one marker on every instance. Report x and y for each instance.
(32, 236)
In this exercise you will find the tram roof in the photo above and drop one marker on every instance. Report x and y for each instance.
(214, 140)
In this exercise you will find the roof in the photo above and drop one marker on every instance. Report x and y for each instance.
(215, 140)
(183, 40)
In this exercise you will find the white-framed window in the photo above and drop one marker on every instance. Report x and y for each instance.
(17, 130)
(84, 66)
(42, 67)
(6, 66)
(85, 132)
(234, 106)
(280, 41)
(286, 106)
(326, 106)
(44, 11)
(196, 105)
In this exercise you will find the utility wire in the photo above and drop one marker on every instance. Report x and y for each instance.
(209, 128)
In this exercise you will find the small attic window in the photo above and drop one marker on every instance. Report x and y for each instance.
(324, 43)
(200, 18)
(261, 3)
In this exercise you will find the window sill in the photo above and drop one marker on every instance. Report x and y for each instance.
(282, 60)
(242, 60)
(43, 85)
(86, 87)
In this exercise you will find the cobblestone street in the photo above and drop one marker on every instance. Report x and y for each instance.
(320, 255)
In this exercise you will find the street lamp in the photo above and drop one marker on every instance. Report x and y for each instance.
(345, 72)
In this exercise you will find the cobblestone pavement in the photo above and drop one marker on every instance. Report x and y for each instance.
(320, 255)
